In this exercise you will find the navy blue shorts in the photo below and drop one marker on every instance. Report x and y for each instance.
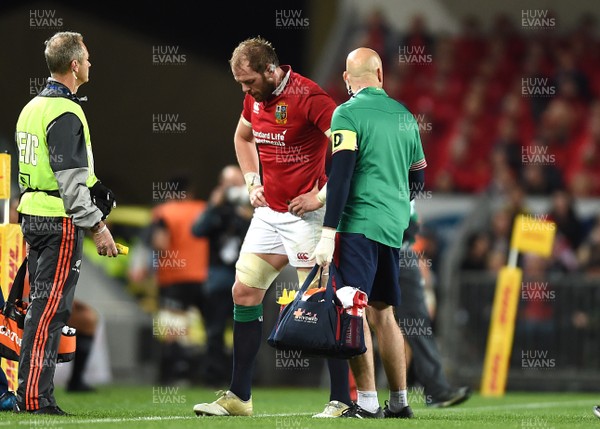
(369, 266)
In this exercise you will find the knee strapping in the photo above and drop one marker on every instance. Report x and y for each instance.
(254, 271)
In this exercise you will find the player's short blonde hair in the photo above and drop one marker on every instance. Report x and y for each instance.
(259, 53)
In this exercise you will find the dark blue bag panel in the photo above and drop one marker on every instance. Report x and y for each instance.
(319, 327)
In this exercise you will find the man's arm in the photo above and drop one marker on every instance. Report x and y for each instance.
(416, 182)
(69, 162)
(343, 161)
(247, 156)
(319, 112)
(245, 148)
(338, 186)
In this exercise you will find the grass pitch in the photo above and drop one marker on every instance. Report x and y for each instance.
(291, 408)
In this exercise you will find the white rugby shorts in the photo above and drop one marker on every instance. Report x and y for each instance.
(280, 233)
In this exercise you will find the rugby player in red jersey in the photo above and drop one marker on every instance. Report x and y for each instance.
(281, 143)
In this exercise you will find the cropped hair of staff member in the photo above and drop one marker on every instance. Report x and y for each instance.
(61, 199)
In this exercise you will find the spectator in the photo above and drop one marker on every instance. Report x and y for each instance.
(378, 34)
(470, 44)
(181, 262)
(478, 249)
(564, 214)
(418, 39)
(582, 175)
(503, 176)
(224, 223)
(540, 179)
(500, 235)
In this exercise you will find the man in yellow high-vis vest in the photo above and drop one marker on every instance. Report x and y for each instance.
(61, 198)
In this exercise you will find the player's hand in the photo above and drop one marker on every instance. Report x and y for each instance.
(103, 239)
(323, 253)
(257, 197)
(305, 203)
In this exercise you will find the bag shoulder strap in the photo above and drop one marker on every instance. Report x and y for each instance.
(309, 279)
(16, 290)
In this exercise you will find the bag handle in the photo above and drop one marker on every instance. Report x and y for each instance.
(329, 287)
(16, 290)
(309, 279)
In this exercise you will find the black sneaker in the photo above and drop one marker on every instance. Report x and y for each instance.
(53, 410)
(356, 412)
(404, 413)
(597, 411)
(454, 397)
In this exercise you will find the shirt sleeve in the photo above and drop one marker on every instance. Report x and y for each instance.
(338, 186)
(247, 110)
(69, 161)
(418, 159)
(319, 111)
(343, 161)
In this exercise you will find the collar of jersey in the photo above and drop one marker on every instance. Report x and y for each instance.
(283, 83)
(369, 90)
(56, 89)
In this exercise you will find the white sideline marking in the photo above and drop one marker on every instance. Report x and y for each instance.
(74, 421)
(530, 405)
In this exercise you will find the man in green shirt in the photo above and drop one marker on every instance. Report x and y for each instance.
(377, 164)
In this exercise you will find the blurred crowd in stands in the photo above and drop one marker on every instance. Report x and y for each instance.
(507, 111)
(576, 244)
(496, 106)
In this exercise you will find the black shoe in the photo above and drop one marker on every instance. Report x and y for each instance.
(454, 397)
(404, 413)
(54, 410)
(355, 411)
(597, 411)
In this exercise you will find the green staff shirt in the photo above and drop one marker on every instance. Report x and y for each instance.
(385, 136)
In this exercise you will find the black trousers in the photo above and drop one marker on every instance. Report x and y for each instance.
(54, 262)
(413, 318)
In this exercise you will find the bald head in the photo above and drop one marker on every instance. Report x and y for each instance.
(364, 68)
(363, 61)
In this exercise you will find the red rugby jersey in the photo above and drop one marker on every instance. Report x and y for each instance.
(289, 130)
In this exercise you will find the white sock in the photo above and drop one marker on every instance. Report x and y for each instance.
(398, 400)
(368, 400)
